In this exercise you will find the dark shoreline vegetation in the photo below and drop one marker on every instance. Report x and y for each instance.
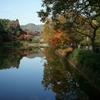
(87, 63)
(79, 75)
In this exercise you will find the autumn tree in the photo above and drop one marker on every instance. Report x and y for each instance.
(59, 38)
(47, 30)
(55, 38)
(87, 8)
(9, 29)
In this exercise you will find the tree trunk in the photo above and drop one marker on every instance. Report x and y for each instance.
(93, 40)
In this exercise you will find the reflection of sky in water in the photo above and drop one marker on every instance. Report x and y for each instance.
(24, 83)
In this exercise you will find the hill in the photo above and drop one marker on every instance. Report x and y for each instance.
(32, 27)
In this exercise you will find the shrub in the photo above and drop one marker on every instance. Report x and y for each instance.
(86, 58)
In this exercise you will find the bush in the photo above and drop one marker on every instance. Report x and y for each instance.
(86, 58)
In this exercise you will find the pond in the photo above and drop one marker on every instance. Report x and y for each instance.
(40, 74)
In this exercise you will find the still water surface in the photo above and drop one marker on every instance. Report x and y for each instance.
(24, 83)
(34, 74)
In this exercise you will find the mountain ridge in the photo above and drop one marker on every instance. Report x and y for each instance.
(33, 27)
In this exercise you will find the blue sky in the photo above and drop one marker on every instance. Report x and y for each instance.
(24, 10)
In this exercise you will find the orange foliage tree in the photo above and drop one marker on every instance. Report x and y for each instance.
(59, 38)
(55, 38)
(47, 31)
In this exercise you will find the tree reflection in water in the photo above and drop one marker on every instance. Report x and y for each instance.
(57, 78)
(11, 57)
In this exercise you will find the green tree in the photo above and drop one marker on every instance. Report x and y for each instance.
(9, 29)
(73, 10)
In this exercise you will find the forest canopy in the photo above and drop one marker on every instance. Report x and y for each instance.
(79, 16)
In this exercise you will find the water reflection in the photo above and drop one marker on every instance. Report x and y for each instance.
(37, 74)
(59, 80)
(24, 83)
(11, 57)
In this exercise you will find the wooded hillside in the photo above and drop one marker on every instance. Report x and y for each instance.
(33, 27)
